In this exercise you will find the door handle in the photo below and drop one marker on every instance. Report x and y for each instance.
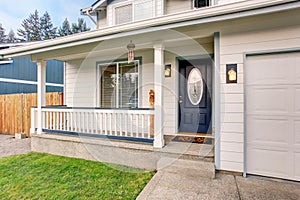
(180, 100)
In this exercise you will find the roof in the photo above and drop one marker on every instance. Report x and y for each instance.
(91, 10)
(199, 16)
(98, 3)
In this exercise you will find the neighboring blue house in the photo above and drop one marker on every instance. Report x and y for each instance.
(19, 75)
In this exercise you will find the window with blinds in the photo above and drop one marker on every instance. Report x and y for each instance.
(119, 85)
(143, 10)
(123, 14)
(137, 10)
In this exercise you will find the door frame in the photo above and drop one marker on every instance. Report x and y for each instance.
(249, 54)
(188, 58)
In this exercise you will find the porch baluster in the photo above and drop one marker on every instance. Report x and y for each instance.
(143, 121)
(131, 125)
(126, 124)
(60, 120)
(115, 117)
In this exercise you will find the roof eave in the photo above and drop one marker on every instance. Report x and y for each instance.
(170, 21)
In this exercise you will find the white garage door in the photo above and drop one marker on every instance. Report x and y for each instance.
(273, 115)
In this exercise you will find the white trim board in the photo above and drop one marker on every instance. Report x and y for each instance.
(8, 80)
(6, 62)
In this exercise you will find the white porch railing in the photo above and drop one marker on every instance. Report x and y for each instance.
(135, 123)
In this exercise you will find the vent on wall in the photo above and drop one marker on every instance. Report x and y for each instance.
(201, 3)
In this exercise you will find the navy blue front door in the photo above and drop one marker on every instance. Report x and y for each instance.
(195, 87)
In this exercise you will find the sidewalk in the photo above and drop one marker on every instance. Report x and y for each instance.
(11, 146)
(165, 185)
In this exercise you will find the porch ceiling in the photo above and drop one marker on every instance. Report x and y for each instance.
(170, 38)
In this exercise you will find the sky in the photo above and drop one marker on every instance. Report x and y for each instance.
(13, 12)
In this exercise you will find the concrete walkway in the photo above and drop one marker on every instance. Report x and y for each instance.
(165, 185)
(11, 146)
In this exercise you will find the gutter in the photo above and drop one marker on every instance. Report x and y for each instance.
(199, 16)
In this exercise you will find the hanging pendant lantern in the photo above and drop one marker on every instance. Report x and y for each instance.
(130, 48)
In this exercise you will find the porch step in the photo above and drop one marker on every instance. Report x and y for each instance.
(189, 151)
(188, 168)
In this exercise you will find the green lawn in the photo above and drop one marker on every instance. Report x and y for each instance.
(44, 176)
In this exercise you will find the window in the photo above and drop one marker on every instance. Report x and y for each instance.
(143, 10)
(201, 3)
(119, 85)
(123, 14)
(137, 10)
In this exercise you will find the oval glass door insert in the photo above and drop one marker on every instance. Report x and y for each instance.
(195, 86)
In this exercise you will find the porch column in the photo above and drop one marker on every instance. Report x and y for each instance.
(41, 93)
(158, 88)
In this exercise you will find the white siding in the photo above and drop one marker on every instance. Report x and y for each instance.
(80, 84)
(220, 2)
(102, 19)
(233, 47)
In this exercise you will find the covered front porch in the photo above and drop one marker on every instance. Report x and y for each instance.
(107, 96)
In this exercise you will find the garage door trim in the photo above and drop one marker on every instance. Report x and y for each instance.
(249, 54)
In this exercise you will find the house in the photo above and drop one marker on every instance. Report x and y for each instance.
(223, 69)
(19, 75)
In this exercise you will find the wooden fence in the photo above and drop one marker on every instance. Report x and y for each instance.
(15, 110)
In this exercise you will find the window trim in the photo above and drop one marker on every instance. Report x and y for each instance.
(4, 62)
(195, 8)
(133, 3)
(117, 62)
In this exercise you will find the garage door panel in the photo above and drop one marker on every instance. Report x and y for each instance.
(268, 130)
(260, 71)
(296, 165)
(277, 165)
(273, 115)
(297, 71)
(297, 100)
(267, 100)
(297, 133)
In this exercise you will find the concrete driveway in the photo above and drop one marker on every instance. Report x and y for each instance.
(11, 146)
(165, 185)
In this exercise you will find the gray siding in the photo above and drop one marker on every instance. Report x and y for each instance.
(22, 70)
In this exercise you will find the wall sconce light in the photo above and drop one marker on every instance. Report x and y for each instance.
(231, 73)
(167, 70)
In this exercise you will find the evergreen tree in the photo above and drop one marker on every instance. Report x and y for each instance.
(2, 34)
(46, 26)
(80, 26)
(11, 37)
(65, 29)
(31, 28)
